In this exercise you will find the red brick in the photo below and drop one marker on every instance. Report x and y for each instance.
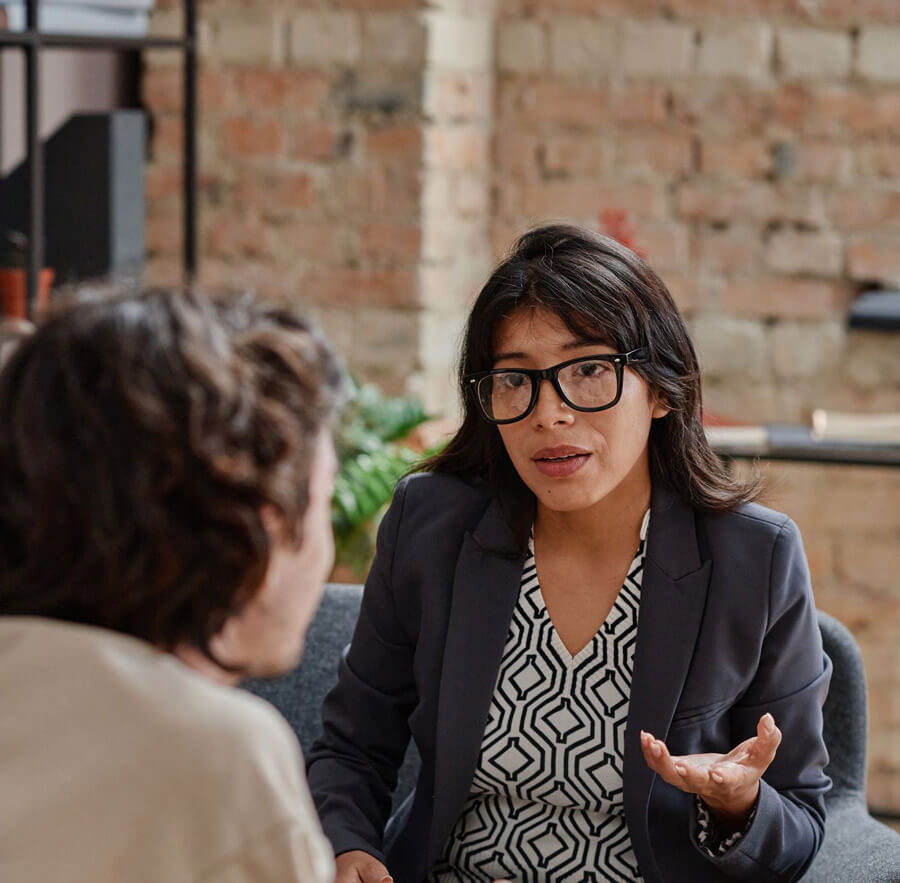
(821, 161)
(162, 182)
(237, 235)
(705, 201)
(581, 106)
(385, 288)
(874, 258)
(168, 133)
(666, 245)
(163, 271)
(518, 153)
(377, 5)
(835, 111)
(402, 143)
(161, 88)
(162, 233)
(744, 158)
(297, 90)
(879, 160)
(319, 141)
(684, 292)
(586, 199)
(735, 249)
(639, 104)
(394, 190)
(850, 12)
(246, 137)
(266, 278)
(275, 191)
(658, 154)
(324, 242)
(393, 241)
(769, 297)
(565, 155)
(865, 208)
(817, 252)
(723, 109)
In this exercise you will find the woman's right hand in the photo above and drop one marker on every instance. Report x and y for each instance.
(357, 866)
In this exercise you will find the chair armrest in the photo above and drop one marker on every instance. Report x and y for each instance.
(856, 849)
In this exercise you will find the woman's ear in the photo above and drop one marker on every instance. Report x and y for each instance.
(659, 410)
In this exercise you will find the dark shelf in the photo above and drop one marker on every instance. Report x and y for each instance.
(32, 42)
(795, 443)
(87, 41)
(876, 310)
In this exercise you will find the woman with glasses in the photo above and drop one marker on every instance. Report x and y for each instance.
(606, 654)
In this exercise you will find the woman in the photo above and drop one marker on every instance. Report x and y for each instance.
(607, 655)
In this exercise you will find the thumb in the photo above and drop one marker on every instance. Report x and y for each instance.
(767, 741)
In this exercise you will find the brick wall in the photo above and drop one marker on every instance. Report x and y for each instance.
(374, 156)
(311, 154)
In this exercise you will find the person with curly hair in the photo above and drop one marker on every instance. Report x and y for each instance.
(166, 468)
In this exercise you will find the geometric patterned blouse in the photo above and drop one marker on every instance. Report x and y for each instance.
(546, 799)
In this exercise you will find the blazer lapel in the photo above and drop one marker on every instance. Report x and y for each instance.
(485, 590)
(673, 597)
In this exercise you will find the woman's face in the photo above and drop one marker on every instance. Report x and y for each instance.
(572, 460)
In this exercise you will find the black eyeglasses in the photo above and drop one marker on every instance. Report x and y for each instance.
(589, 383)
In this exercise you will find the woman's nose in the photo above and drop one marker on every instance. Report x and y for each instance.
(550, 409)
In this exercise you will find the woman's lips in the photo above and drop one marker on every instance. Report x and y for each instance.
(559, 465)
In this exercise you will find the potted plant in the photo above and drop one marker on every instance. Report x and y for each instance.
(379, 439)
(13, 257)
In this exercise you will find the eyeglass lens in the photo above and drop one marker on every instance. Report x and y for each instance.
(589, 384)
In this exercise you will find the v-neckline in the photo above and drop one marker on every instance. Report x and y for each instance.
(573, 660)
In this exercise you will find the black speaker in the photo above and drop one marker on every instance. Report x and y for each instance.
(93, 198)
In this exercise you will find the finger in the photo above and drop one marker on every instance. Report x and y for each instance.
(652, 749)
(726, 776)
(694, 774)
(660, 761)
(768, 739)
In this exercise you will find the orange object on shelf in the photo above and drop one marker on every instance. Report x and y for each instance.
(12, 291)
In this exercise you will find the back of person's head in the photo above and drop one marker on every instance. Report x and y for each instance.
(144, 439)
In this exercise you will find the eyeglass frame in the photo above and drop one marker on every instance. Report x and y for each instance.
(539, 375)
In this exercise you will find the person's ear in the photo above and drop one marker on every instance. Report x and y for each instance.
(659, 410)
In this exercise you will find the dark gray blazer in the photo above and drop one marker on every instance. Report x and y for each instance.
(726, 631)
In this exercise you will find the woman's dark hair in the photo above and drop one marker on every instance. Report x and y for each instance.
(141, 436)
(597, 287)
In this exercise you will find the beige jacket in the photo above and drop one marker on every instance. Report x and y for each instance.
(118, 764)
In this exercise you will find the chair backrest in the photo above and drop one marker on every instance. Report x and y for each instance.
(845, 716)
(299, 694)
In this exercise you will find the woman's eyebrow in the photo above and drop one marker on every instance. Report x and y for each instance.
(579, 343)
(500, 357)
(588, 341)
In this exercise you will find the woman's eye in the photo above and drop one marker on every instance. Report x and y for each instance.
(592, 369)
(512, 381)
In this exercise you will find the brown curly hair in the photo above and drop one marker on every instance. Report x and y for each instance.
(141, 436)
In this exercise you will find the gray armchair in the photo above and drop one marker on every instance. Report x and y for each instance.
(857, 849)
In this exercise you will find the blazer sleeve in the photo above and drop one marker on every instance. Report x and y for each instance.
(352, 767)
(791, 682)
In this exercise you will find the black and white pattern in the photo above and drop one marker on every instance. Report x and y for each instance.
(710, 838)
(546, 799)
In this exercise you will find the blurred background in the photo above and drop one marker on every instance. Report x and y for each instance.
(373, 158)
